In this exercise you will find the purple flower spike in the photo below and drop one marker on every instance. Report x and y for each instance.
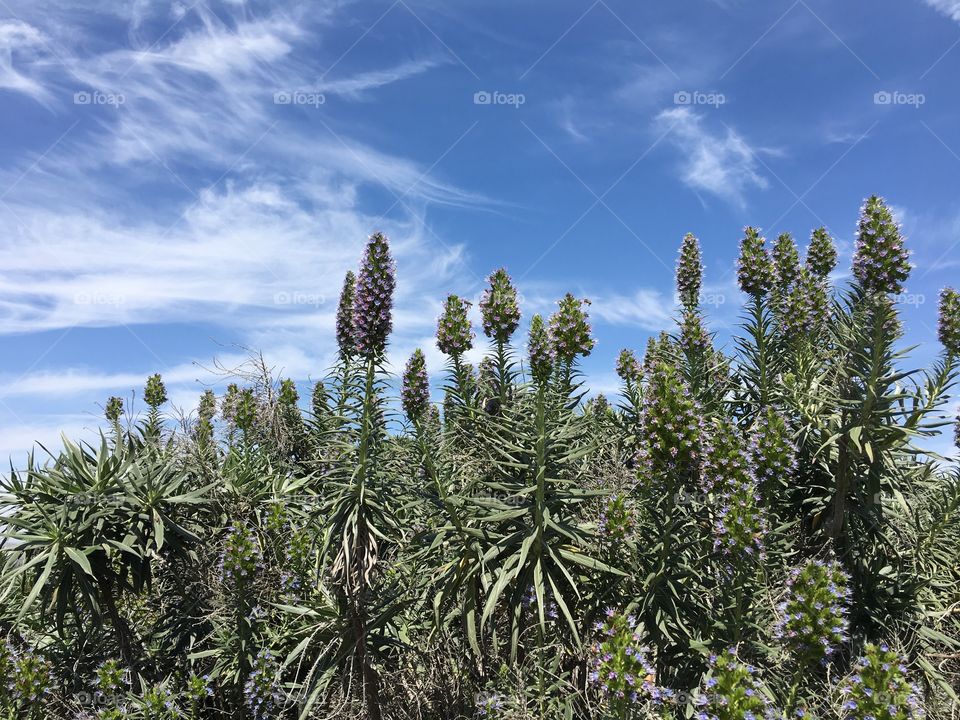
(570, 329)
(345, 335)
(881, 261)
(821, 253)
(372, 320)
(541, 354)
(689, 272)
(754, 268)
(949, 326)
(415, 393)
(499, 308)
(454, 335)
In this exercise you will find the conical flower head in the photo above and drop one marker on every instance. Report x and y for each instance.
(754, 268)
(813, 617)
(113, 409)
(288, 394)
(499, 308)
(949, 325)
(373, 304)
(689, 272)
(345, 335)
(207, 407)
(694, 338)
(415, 392)
(786, 261)
(804, 305)
(821, 253)
(155, 392)
(772, 454)
(454, 334)
(672, 424)
(540, 351)
(245, 413)
(881, 261)
(628, 368)
(570, 329)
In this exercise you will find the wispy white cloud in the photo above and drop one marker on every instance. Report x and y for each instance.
(721, 163)
(646, 309)
(950, 8)
(18, 39)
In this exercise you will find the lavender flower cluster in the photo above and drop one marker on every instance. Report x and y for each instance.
(620, 668)
(27, 677)
(772, 454)
(694, 338)
(454, 334)
(881, 261)
(740, 527)
(813, 618)
(159, 703)
(617, 521)
(415, 389)
(948, 328)
(345, 337)
(671, 423)
(262, 693)
(754, 267)
(628, 367)
(724, 463)
(499, 308)
(731, 690)
(540, 351)
(373, 303)
(878, 688)
(821, 254)
(689, 272)
(786, 261)
(570, 330)
(241, 557)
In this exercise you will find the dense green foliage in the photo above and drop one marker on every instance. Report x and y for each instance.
(749, 532)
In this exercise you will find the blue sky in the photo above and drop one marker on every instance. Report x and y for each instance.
(180, 180)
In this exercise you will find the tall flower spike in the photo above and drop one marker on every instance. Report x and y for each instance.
(881, 261)
(113, 409)
(207, 407)
(754, 268)
(454, 335)
(499, 308)
(628, 368)
(541, 354)
(415, 392)
(570, 329)
(949, 326)
(155, 392)
(345, 336)
(373, 303)
(786, 261)
(319, 400)
(689, 272)
(821, 253)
